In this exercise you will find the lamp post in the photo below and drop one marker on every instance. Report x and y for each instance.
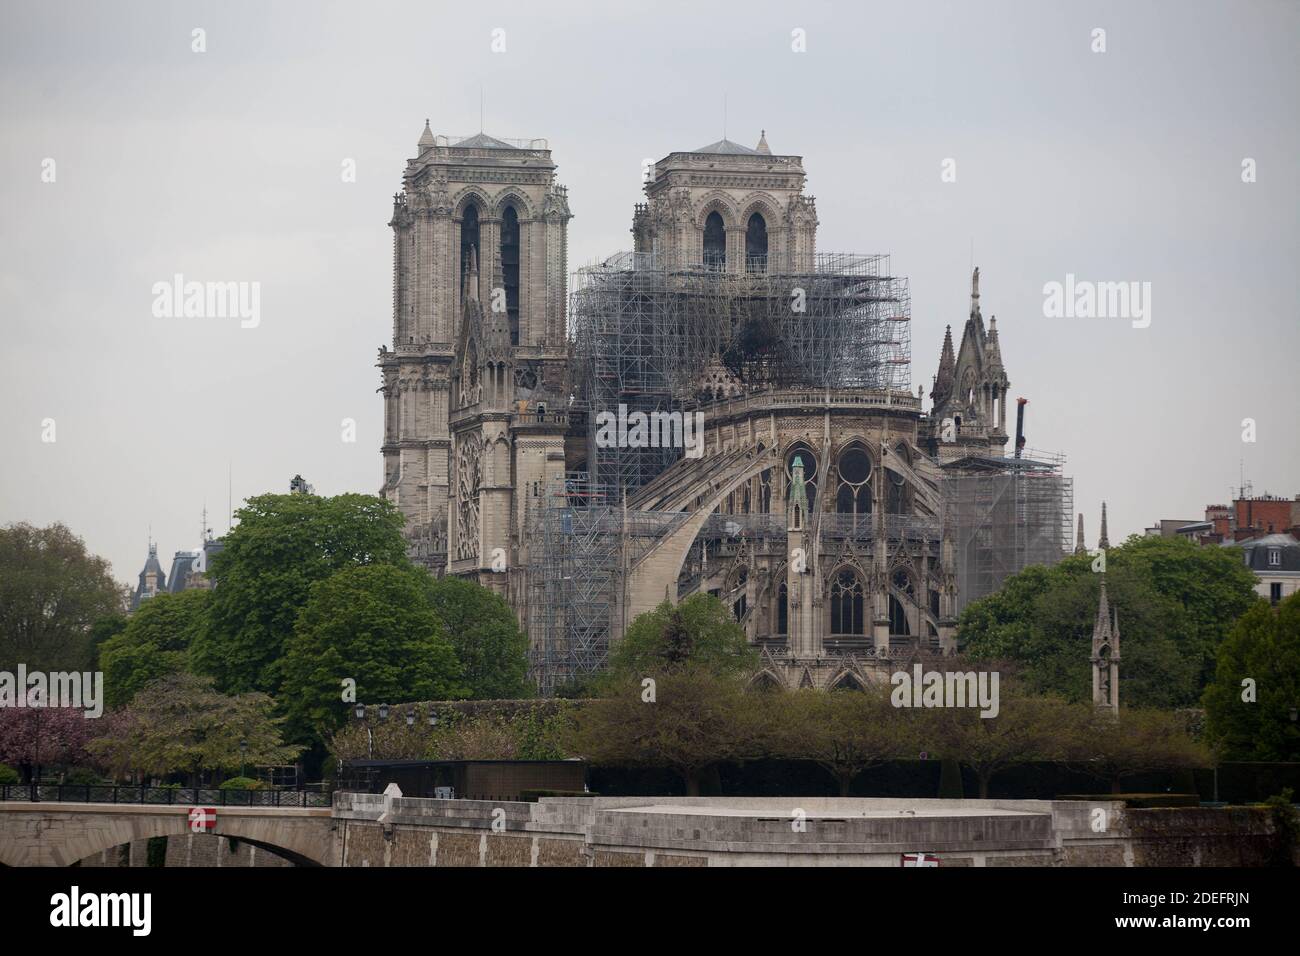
(243, 756)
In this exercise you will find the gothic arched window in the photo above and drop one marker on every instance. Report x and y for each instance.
(510, 268)
(782, 609)
(756, 244)
(897, 617)
(468, 238)
(715, 243)
(846, 600)
(736, 589)
(801, 451)
(897, 494)
(853, 496)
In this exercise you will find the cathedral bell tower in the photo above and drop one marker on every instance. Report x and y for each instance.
(476, 384)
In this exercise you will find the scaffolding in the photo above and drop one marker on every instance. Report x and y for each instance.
(575, 557)
(1004, 516)
(647, 333)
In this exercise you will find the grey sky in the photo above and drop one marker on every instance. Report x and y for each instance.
(1124, 165)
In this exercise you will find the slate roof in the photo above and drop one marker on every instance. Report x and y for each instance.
(727, 147)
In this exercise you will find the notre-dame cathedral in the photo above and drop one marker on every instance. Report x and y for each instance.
(843, 522)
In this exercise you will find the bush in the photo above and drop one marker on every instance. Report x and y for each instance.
(8, 775)
(83, 777)
(532, 796)
(242, 783)
(1286, 824)
(1139, 801)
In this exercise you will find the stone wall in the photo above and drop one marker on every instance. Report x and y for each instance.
(721, 831)
(190, 849)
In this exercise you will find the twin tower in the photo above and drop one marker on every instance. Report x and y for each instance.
(477, 383)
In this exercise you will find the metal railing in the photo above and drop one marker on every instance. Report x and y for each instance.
(168, 796)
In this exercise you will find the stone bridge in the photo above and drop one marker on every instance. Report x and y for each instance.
(60, 834)
(371, 830)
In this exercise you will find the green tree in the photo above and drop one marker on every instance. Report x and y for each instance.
(283, 545)
(487, 639)
(844, 731)
(1250, 707)
(1212, 584)
(51, 593)
(155, 643)
(181, 724)
(1141, 740)
(105, 627)
(1172, 598)
(699, 633)
(375, 625)
(1025, 729)
(688, 721)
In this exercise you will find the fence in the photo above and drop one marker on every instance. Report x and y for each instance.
(182, 796)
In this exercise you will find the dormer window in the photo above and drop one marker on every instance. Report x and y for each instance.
(1274, 557)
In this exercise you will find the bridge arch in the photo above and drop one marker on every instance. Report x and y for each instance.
(60, 834)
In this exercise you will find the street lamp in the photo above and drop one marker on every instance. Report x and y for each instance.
(383, 711)
(243, 754)
(410, 717)
(361, 711)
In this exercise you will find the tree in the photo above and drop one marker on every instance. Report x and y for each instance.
(844, 731)
(1212, 584)
(181, 724)
(51, 592)
(694, 720)
(283, 545)
(528, 734)
(488, 642)
(1251, 704)
(155, 642)
(1175, 602)
(375, 625)
(104, 628)
(700, 632)
(1025, 728)
(1140, 740)
(33, 737)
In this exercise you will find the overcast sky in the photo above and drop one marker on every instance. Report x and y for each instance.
(226, 165)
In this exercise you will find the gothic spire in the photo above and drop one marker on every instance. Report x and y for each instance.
(1103, 541)
(762, 146)
(1101, 629)
(426, 138)
(992, 351)
(975, 292)
(943, 382)
(471, 276)
(1079, 546)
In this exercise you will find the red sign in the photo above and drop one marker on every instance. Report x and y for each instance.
(920, 859)
(203, 819)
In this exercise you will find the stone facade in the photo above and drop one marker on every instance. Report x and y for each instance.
(479, 352)
(840, 562)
